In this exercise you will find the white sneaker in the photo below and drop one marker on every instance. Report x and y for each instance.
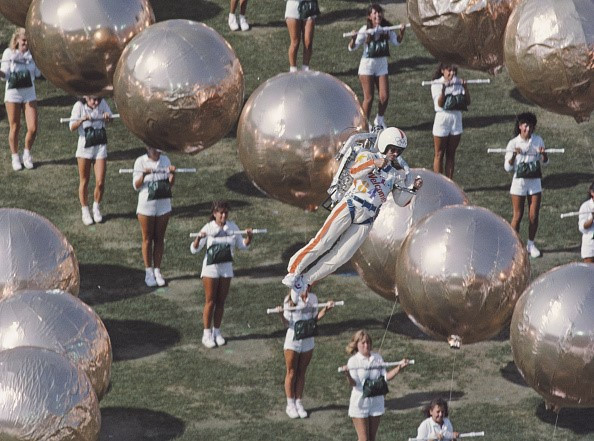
(233, 25)
(533, 251)
(208, 341)
(27, 160)
(243, 24)
(149, 278)
(291, 411)
(159, 280)
(300, 410)
(16, 163)
(97, 214)
(86, 216)
(379, 122)
(288, 280)
(219, 339)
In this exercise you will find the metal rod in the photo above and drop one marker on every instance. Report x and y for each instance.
(479, 81)
(461, 435)
(159, 170)
(298, 308)
(64, 120)
(240, 232)
(377, 366)
(374, 30)
(528, 154)
(574, 213)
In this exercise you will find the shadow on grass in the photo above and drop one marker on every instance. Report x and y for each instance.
(134, 424)
(57, 101)
(202, 209)
(497, 188)
(239, 183)
(340, 16)
(104, 283)
(132, 339)
(197, 10)
(402, 325)
(515, 94)
(126, 155)
(65, 161)
(511, 373)
(566, 180)
(579, 421)
(469, 122)
(419, 400)
(328, 408)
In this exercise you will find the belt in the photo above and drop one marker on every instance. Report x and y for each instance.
(365, 204)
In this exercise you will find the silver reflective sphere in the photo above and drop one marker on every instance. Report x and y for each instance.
(43, 396)
(289, 131)
(15, 10)
(375, 260)
(549, 54)
(34, 254)
(464, 32)
(78, 44)
(552, 335)
(57, 321)
(460, 272)
(179, 86)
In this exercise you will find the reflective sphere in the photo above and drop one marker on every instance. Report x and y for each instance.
(464, 32)
(552, 335)
(460, 272)
(43, 396)
(375, 260)
(179, 86)
(549, 54)
(289, 131)
(38, 318)
(78, 44)
(34, 254)
(15, 11)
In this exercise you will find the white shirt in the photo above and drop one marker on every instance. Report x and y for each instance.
(528, 152)
(587, 233)
(15, 61)
(362, 37)
(307, 309)
(429, 429)
(144, 162)
(359, 371)
(217, 234)
(80, 110)
(455, 89)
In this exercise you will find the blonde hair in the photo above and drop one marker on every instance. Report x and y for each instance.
(360, 335)
(18, 33)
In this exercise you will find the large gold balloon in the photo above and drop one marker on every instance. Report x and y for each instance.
(57, 321)
(34, 254)
(15, 10)
(179, 86)
(552, 335)
(460, 272)
(375, 260)
(43, 396)
(549, 54)
(77, 45)
(289, 132)
(465, 32)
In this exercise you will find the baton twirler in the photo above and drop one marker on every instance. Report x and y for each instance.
(299, 308)
(159, 170)
(377, 365)
(547, 151)
(64, 120)
(374, 30)
(574, 213)
(479, 81)
(240, 232)
(461, 435)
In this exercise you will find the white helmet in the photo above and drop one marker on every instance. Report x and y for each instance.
(391, 137)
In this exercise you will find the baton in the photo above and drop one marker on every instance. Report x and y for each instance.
(159, 170)
(479, 81)
(377, 366)
(574, 213)
(374, 30)
(64, 120)
(462, 435)
(527, 154)
(16, 61)
(240, 232)
(298, 308)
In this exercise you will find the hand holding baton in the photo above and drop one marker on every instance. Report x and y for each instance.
(546, 151)
(479, 81)
(280, 309)
(377, 366)
(460, 435)
(374, 30)
(159, 170)
(64, 120)
(241, 232)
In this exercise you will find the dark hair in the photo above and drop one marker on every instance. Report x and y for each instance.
(526, 117)
(218, 206)
(436, 402)
(377, 8)
(437, 74)
(590, 189)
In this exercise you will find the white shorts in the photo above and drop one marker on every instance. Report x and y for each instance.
(25, 95)
(376, 67)
(303, 345)
(158, 207)
(525, 187)
(292, 10)
(95, 152)
(366, 407)
(447, 123)
(217, 270)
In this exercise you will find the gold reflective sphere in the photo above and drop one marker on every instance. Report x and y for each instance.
(179, 86)
(460, 272)
(289, 132)
(34, 254)
(375, 260)
(77, 45)
(15, 11)
(552, 335)
(549, 53)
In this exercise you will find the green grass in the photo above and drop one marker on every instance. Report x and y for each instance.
(166, 386)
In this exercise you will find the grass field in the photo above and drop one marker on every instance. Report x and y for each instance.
(166, 386)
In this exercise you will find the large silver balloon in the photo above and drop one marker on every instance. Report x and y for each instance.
(375, 260)
(34, 254)
(77, 45)
(289, 131)
(552, 335)
(15, 10)
(43, 396)
(465, 32)
(179, 86)
(460, 272)
(549, 53)
(57, 321)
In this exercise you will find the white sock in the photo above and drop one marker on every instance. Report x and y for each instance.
(305, 67)
(293, 69)
(379, 119)
(231, 15)
(95, 205)
(298, 402)
(530, 243)
(147, 270)
(216, 331)
(26, 152)
(15, 156)
(85, 210)
(207, 332)
(241, 16)
(290, 401)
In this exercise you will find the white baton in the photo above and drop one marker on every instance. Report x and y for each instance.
(377, 366)
(241, 232)
(574, 213)
(64, 120)
(298, 308)
(479, 81)
(374, 30)
(533, 154)
(159, 170)
(461, 435)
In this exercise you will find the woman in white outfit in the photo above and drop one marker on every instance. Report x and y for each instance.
(437, 425)
(19, 71)
(300, 16)
(366, 411)
(450, 96)
(524, 156)
(298, 350)
(153, 178)
(88, 118)
(586, 226)
(217, 268)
